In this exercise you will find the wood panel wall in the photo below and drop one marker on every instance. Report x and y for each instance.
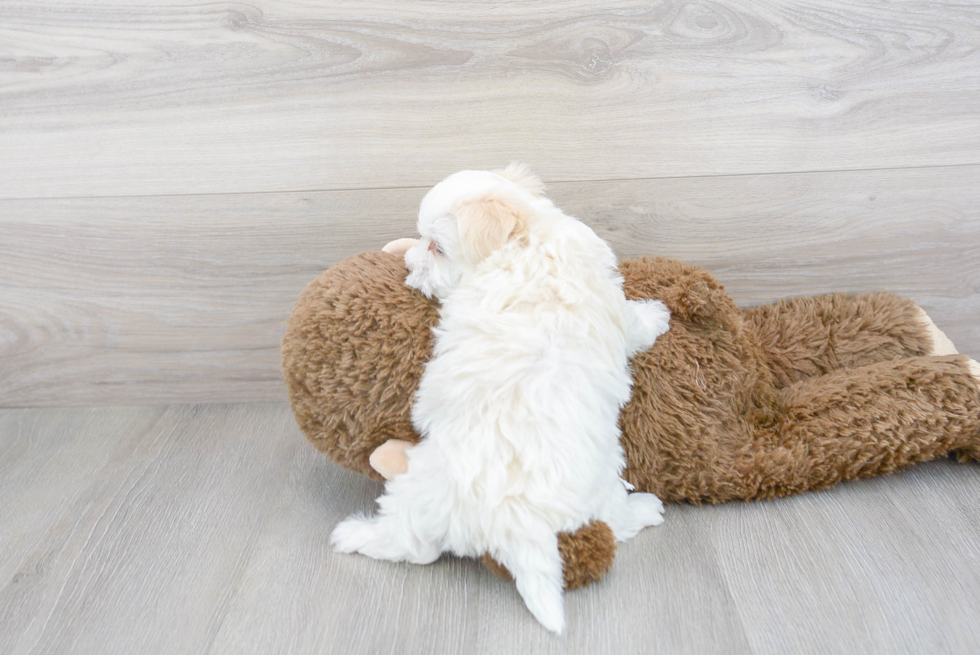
(172, 176)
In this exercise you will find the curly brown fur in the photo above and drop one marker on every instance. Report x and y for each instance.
(854, 423)
(784, 398)
(586, 555)
(351, 389)
(727, 405)
(804, 337)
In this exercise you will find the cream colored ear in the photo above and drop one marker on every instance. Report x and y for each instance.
(399, 247)
(522, 176)
(486, 224)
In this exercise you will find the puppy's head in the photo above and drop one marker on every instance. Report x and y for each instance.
(464, 219)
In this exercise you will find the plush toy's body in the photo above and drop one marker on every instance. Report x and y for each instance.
(728, 405)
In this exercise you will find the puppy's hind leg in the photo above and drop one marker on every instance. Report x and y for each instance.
(627, 514)
(409, 526)
(383, 537)
(533, 560)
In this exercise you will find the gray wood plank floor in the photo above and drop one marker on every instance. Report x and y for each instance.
(203, 529)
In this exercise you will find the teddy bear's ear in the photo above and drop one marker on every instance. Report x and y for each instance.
(522, 176)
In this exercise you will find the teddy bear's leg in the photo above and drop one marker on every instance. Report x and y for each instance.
(804, 337)
(870, 420)
(972, 449)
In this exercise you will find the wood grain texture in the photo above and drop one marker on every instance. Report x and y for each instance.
(183, 299)
(146, 551)
(125, 98)
(875, 543)
(172, 175)
(203, 529)
(121, 302)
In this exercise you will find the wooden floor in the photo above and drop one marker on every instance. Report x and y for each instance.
(172, 175)
(203, 529)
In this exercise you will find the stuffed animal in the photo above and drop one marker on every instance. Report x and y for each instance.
(729, 404)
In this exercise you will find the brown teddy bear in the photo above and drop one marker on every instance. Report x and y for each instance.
(729, 404)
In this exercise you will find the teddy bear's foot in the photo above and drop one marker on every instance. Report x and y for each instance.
(941, 345)
(971, 453)
(390, 458)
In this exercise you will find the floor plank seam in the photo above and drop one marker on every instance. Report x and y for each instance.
(728, 583)
(829, 171)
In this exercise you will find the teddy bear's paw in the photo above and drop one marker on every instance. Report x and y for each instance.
(648, 320)
(941, 345)
(390, 459)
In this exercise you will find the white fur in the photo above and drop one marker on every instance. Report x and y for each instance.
(520, 402)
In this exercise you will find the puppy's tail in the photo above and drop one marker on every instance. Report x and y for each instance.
(522, 176)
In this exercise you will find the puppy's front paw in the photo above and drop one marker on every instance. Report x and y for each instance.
(650, 319)
(353, 534)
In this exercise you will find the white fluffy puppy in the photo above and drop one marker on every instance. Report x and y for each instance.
(519, 405)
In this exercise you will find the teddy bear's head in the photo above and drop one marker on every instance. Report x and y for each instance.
(353, 354)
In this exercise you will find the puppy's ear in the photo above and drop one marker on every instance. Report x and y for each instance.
(522, 176)
(487, 223)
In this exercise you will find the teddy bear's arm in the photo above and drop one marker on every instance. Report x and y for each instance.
(689, 292)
